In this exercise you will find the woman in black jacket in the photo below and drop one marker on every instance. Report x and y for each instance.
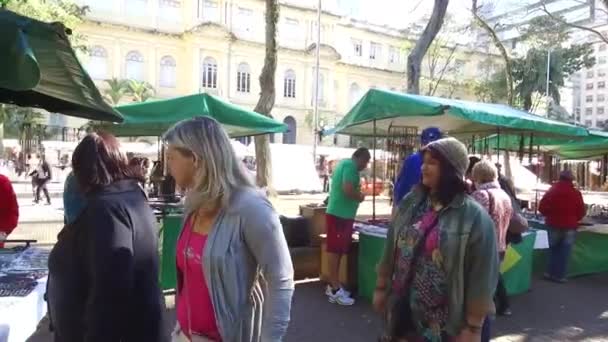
(103, 280)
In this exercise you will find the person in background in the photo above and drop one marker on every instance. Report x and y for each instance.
(410, 173)
(9, 209)
(563, 208)
(437, 277)
(234, 272)
(473, 160)
(104, 268)
(498, 204)
(42, 176)
(74, 200)
(344, 198)
(323, 170)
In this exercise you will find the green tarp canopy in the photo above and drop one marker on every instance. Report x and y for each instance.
(153, 118)
(593, 145)
(38, 68)
(455, 117)
(513, 142)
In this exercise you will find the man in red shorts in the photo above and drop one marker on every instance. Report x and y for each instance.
(344, 198)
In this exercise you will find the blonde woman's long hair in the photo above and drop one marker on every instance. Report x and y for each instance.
(219, 172)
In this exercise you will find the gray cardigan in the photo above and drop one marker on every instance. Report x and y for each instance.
(248, 270)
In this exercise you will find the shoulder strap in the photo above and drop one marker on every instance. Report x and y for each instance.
(492, 203)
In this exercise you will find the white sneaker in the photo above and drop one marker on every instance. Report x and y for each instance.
(330, 292)
(341, 298)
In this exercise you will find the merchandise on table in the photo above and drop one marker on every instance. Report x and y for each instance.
(14, 285)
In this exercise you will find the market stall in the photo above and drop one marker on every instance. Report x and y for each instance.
(153, 118)
(589, 254)
(516, 268)
(23, 274)
(379, 113)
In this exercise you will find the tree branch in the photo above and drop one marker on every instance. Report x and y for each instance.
(501, 48)
(580, 27)
(422, 45)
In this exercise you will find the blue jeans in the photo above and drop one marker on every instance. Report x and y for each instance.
(560, 246)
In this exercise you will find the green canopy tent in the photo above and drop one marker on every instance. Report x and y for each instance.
(153, 118)
(38, 68)
(379, 110)
(595, 146)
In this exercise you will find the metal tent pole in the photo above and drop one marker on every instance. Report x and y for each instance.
(374, 174)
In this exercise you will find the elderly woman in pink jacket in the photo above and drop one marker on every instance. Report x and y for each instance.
(498, 204)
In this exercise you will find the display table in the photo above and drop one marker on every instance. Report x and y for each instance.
(21, 312)
(516, 267)
(19, 316)
(589, 253)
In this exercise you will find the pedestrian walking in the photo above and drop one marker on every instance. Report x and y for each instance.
(498, 204)
(41, 177)
(438, 274)
(235, 275)
(344, 198)
(563, 208)
(104, 268)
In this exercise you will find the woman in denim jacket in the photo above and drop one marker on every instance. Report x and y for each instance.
(437, 278)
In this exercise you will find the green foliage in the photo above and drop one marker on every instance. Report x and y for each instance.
(141, 91)
(117, 89)
(15, 118)
(530, 71)
(66, 12)
(544, 32)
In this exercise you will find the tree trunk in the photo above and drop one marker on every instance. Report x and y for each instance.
(501, 48)
(267, 96)
(414, 60)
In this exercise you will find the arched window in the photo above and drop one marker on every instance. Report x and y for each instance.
(354, 94)
(289, 137)
(243, 78)
(98, 63)
(168, 78)
(289, 84)
(134, 69)
(209, 77)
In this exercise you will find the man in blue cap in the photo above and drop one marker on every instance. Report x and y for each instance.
(411, 170)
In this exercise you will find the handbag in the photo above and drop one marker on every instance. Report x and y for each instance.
(518, 223)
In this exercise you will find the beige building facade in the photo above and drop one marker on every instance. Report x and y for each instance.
(217, 46)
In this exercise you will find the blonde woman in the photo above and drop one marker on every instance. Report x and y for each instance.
(498, 204)
(235, 276)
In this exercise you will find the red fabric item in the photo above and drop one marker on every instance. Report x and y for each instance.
(194, 293)
(562, 206)
(9, 208)
(339, 234)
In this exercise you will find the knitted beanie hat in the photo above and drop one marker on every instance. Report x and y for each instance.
(454, 152)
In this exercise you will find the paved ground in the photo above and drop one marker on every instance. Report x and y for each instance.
(577, 311)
